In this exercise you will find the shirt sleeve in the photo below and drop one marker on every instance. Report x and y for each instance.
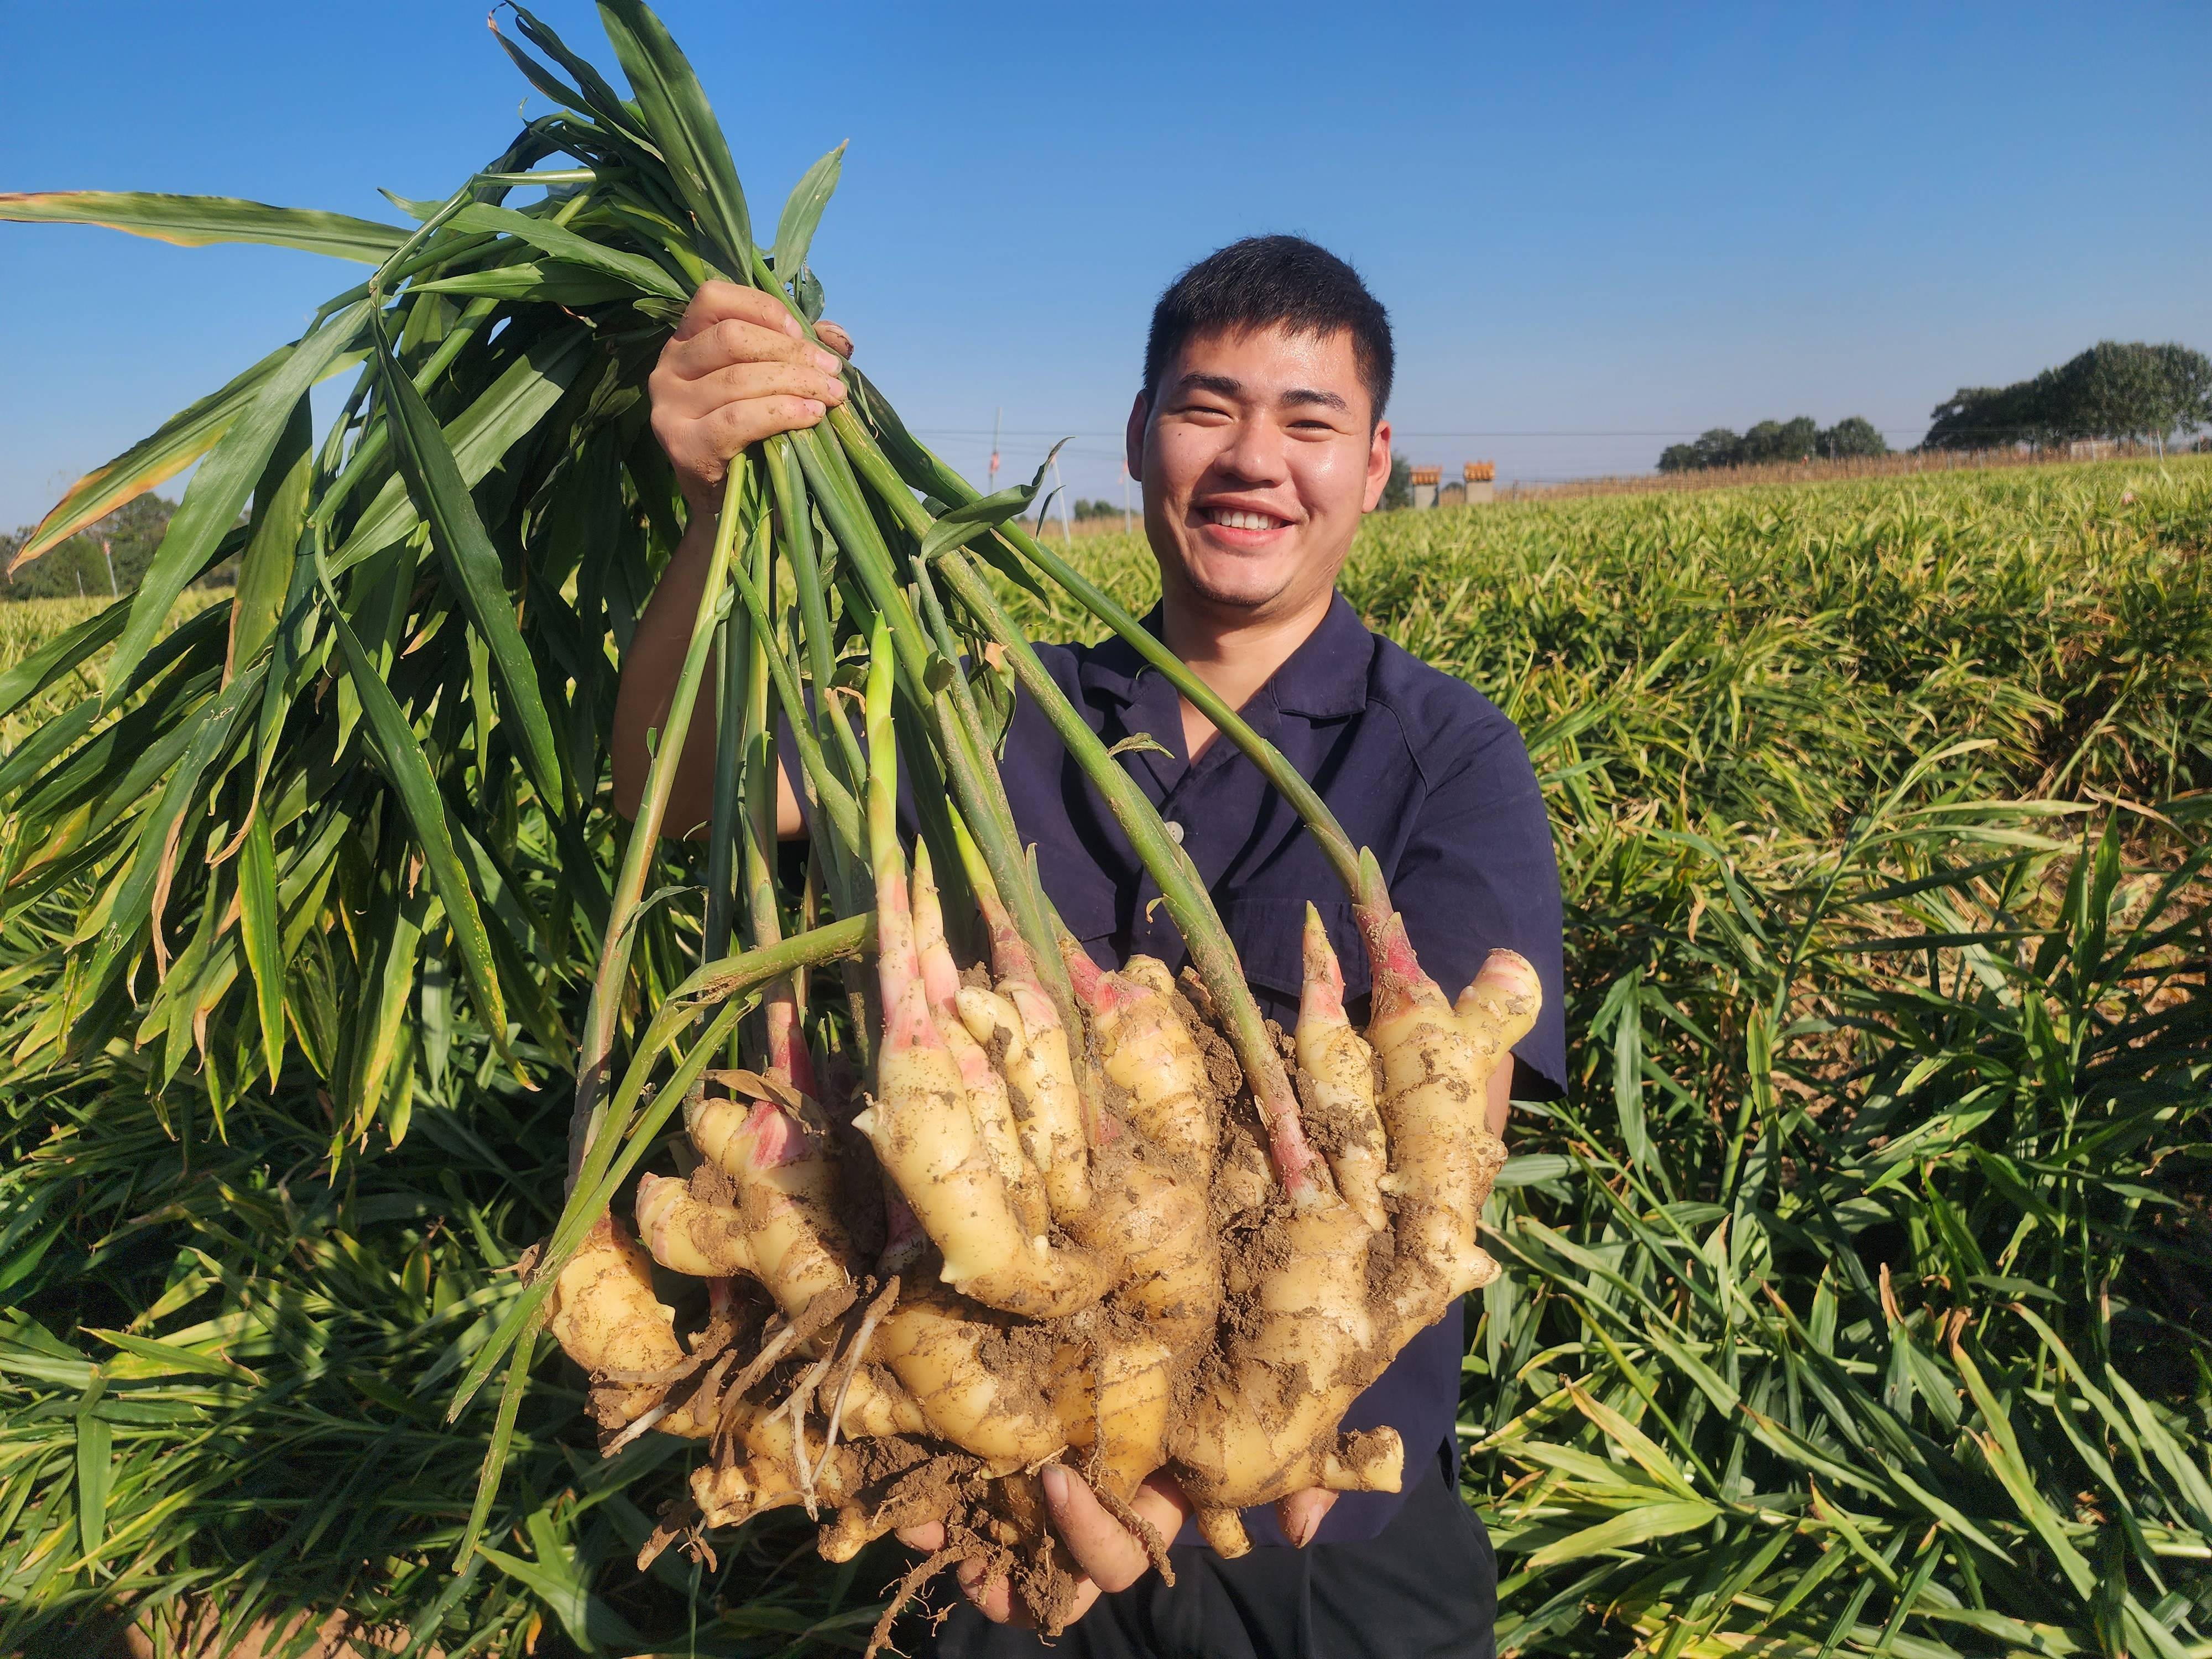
(1479, 873)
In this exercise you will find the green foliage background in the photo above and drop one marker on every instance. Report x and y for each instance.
(1855, 1296)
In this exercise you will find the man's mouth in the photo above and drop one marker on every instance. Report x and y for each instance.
(1240, 517)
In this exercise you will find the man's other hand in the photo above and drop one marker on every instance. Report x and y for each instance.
(738, 368)
(1108, 1556)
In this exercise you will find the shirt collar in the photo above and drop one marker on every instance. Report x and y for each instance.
(1325, 677)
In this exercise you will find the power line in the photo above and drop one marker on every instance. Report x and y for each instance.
(1067, 432)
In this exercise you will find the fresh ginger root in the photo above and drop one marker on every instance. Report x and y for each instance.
(781, 1228)
(1140, 1282)
(1339, 1079)
(941, 1153)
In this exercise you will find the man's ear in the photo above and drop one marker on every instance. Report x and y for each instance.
(1378, 463)
(1132, 438)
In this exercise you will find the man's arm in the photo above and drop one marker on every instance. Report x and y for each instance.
(737, 370)
(1478, 874)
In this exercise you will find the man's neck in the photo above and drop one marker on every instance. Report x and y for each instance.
(1234, 655)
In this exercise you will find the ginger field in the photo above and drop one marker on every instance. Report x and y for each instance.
(1855, 1298)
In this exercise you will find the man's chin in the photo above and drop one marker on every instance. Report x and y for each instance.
(1249, 597)
(1237, 586)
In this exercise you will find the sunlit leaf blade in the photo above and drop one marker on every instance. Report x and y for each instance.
(219, 490)
(634, 271)
(175, 444)
(604, 103)
(435, 484)
(802, 212)
(496, 1446)
(958, 526)
(280, 513)
(208, 734)
(95, 1470)
(261, 928)
(202, 221)
(682, 124)
(483, 432)
(417, 788)
(588, 1619)
(538, 281)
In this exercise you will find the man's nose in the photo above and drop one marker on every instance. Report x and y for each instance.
(1255, 457)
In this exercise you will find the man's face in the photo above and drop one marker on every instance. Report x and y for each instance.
(1258, 460)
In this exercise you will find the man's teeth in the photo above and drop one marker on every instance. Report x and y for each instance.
(1232, 520)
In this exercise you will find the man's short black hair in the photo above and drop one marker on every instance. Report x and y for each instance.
(1268, 280)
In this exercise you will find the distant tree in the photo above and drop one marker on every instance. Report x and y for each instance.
(1852, 437)
(2189, 378)
(1718, 447)
(1988, 417)
(2131, 391)
(2136, 391)
(1779, 440)
(1398, 492)
(1773, 441)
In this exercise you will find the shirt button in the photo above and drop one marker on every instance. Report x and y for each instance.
(1175, 832)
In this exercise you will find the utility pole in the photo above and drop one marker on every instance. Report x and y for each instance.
(991, 481)
(107, 552)
(1066, 531)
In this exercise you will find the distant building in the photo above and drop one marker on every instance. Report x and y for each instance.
(1476, 485)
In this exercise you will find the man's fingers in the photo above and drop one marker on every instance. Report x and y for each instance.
(734, 340)
(699, 447)
(717, 301)
(733, 426)
(928, 1537)
(991, 1593)
(1101, 1547)
(835, 337)
(741, 382)
(1301, 1514)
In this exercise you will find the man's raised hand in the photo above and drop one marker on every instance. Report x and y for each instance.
(737, 370)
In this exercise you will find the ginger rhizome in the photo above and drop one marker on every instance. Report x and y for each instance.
(1111, 1269)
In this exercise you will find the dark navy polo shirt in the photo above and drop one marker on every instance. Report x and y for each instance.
(1417, 765)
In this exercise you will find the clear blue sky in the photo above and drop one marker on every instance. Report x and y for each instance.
(1585, 220)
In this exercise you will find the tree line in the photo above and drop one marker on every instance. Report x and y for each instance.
(2129, 393)
(1801, 438)
(2132, 393)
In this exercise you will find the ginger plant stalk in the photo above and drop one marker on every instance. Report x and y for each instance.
(947, 485)
(600, 1015)
(1181, 887)
(838, 495)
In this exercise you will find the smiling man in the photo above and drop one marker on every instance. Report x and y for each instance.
(1260, 438)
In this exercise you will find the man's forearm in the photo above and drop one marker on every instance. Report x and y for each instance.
(650, 669)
